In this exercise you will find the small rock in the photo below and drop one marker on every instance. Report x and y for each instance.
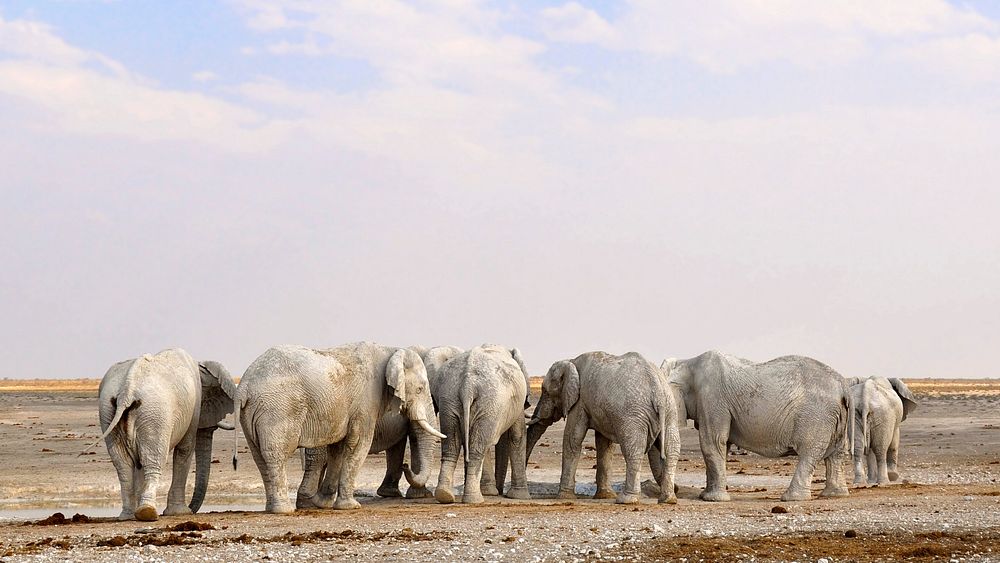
(968, 498)
(658, 529)
(850, 534)
(150, 549)
(451, 515)
(779, 510)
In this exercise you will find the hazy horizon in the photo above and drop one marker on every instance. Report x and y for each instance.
(761, 178)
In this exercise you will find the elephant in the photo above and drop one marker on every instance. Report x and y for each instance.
(156, 405)
(880, 405)
(481, 395)
(625, 400)
(790, 405)
(392, 432)
(292, 397)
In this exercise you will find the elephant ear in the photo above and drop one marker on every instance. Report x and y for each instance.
(395, 373)
(217, 392)
(516, 354)
(909, 401)
(570, 386)
(667, 366)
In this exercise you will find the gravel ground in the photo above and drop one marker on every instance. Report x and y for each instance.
(947, 507)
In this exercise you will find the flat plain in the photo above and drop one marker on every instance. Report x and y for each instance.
(946, 506)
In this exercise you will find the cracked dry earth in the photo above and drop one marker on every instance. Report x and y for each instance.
(946, 509)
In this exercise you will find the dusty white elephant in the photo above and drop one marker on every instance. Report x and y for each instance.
(791, 405)
(293, 397)
(156, 405)
(625, 400)
(880, 405)
(392, 432)
(481, 395)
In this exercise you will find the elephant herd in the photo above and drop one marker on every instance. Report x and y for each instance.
(340, 404)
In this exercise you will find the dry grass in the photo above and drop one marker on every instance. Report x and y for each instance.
(942, 387)
(50, 385)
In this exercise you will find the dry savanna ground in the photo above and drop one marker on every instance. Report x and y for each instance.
(946, 508)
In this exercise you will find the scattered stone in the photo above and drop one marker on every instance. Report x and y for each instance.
(779, 510)
(850, 534)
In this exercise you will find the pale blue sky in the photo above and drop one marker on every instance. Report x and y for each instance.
(762, 177)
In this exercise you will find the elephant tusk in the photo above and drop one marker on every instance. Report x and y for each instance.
(533, 421)
(429, 429)
(225, 425)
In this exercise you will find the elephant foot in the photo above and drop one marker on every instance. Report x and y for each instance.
(489, 490)
(520, 493)
(860, 482)
(792, 495)
(472, 498)
(444, 495)
(176, 510)
(893, 476)
(835, 492)
(627, 498)
(304, 502)
(672, 499)
(649, 488)
(279, 507)
(126, 515)
(566, 495)
(604, 494)
(146, 513)
(418, 492)
(389, 491)
(346, 504)
(714, 496)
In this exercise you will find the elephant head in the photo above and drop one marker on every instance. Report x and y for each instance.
(217, 392)
(560, 391)
(406, 375)
(909, 401)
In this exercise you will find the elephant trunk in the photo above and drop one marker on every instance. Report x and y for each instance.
(421, 452)
(535, 431)
(203, 466)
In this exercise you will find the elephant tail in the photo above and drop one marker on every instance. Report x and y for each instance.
(237, 405)
(663, 424)
(865, 411)
(466, 410)
(123, 401)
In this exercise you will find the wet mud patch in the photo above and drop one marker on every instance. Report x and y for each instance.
(850, 545)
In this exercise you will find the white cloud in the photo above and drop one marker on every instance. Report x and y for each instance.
(728, 35)
(204, 76)
(44, 71)
(974, 57)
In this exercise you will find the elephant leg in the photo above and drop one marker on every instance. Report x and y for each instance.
(313, 471)
(479, 449)
(501, 460)
(798, 489)
(517, 441)
(152, 456)
(356, 448)
(450, 451)
(872, 466)
(487, 483)
(327, 493)
(393, 470)
(271, 455)
(858, 455)
(573, 435)
(892, 456)
(604, 489)
(836, 485)
(183, 455)
(126, 480)
(670, 445)
(714, 439)
(632, 450)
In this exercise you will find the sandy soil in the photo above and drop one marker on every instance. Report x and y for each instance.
(948, 506)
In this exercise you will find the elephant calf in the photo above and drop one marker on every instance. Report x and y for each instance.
(880, 405)
(153, 406)
(481, 395)
(626, 401)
